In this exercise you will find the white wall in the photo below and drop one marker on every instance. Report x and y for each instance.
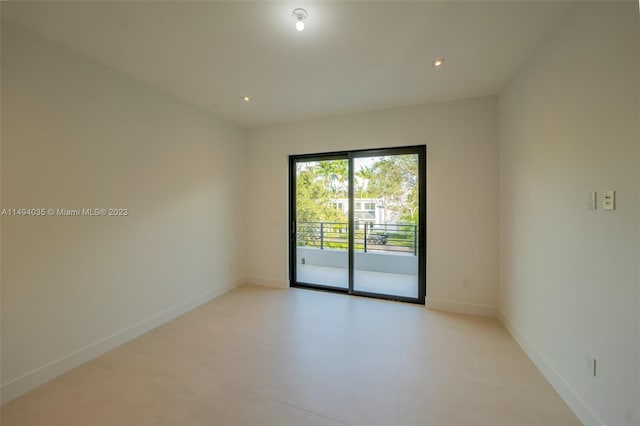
(569, 124)
(371, 261)
(462, 191)
(77, 135)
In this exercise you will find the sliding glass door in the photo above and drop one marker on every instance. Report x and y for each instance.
(358, 221)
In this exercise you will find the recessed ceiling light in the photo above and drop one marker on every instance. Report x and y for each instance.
(246, 98)
(437, 62)
(300, 15)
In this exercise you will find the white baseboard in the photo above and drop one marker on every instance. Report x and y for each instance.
(41, 375)
(267, 282)
(564, 389)
(462, 308)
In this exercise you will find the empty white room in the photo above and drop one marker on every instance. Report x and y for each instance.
(378, 213)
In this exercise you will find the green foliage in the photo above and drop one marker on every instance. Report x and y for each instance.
(335, 176)
(365, 174)
(314, 192)
(317, 184)
(393, 179)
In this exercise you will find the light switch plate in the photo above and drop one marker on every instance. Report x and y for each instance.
(609, 202)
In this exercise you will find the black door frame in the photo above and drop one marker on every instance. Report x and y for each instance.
(420, 150)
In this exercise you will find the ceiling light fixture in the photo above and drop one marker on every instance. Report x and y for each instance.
(300, 15)
(437, 62)
(246, 98)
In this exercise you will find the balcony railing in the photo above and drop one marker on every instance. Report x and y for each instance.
(379, 237)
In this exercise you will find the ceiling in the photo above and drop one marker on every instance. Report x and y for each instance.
(352, 56)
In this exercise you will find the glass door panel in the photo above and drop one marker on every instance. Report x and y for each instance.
(321, 230)
(386, 225)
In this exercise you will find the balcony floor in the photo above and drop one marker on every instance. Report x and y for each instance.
(367, 281)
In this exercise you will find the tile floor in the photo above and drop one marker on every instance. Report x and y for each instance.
(259, 356)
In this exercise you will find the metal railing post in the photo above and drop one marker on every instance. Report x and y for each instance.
(321, 235)
(365, 237)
